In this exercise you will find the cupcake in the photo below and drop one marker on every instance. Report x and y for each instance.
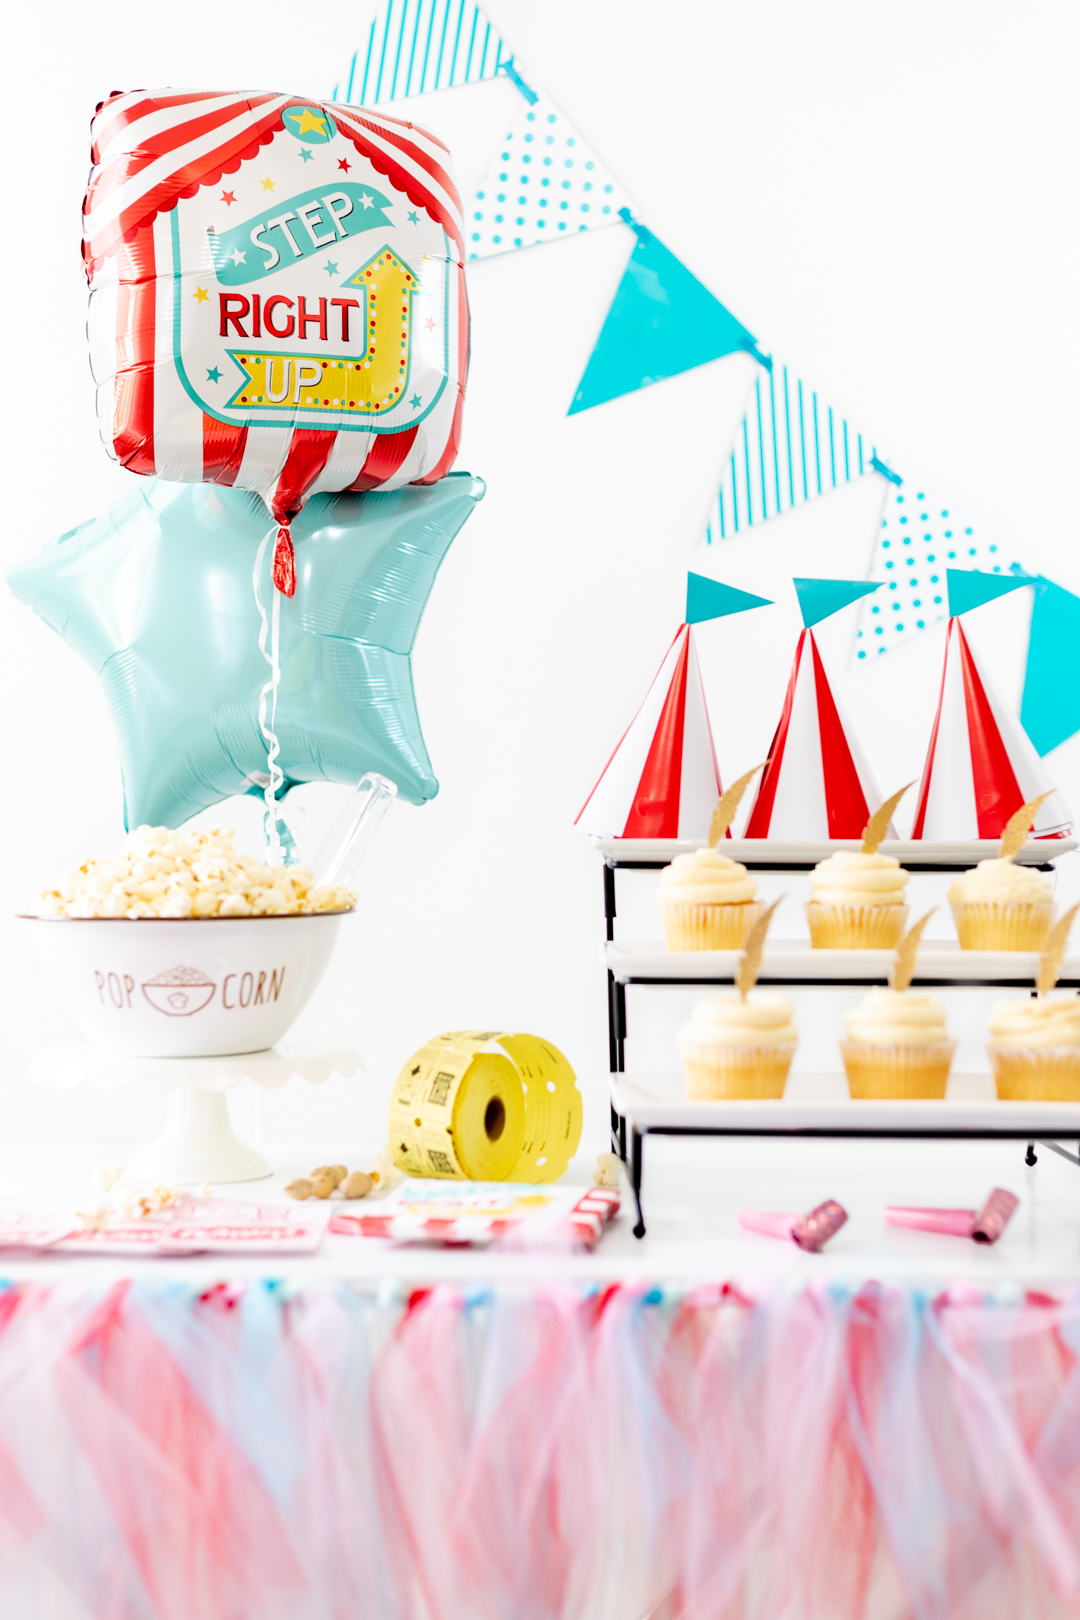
(1034, 1048)
(707, 902)
(999, 906)
(857, 899)
(738, 1047)
(897, 1046)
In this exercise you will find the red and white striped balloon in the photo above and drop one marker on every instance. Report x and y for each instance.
(277, 296)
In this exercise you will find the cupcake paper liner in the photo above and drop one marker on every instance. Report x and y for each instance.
(841, 928)
(992, 926)
(1036, 1073)
(707, 928)
(897, 1071)
(717, 1073)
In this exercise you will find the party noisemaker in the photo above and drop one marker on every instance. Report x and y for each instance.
(482, 1106)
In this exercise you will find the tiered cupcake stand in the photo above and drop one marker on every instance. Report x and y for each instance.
(817, 1105)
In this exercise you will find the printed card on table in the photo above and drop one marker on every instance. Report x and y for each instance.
(466, 1212)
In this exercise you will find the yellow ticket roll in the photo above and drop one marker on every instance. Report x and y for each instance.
(482, 1106)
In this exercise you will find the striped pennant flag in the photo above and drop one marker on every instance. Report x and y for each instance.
(545, 182)
(920, 539)
(789, 448)
(414, 46)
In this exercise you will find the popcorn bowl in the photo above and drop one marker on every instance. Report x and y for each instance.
(185, 987)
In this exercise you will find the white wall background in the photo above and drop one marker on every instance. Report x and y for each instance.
(884, 193)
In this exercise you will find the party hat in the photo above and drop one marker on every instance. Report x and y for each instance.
(981, 765)
(817, 785)
(662, 781)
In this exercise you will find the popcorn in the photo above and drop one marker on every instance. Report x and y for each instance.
(161, 873)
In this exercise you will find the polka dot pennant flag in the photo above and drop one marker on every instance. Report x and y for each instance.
(545, 183)
(920, 539)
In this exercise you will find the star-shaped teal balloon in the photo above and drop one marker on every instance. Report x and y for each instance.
(157, 596)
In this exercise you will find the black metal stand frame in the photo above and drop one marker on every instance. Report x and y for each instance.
(617, 1030)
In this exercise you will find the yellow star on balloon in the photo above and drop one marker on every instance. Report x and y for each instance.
(306, 120)
(268, 184)
(200, 295)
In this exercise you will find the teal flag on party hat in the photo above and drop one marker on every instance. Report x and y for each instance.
(1050, 707)
(414, 46)
(709, 599)
(819, 598)
(662, 321)
(968, 589)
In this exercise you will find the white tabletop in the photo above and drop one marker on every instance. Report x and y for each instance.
(692, 1189)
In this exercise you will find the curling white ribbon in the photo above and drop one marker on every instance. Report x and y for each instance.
(276, 775)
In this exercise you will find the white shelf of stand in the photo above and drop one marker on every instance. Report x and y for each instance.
(795, 962)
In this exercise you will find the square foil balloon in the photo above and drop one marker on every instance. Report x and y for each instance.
(277, 296)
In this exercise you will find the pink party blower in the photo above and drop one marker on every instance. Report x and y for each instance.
(811, 1232)
(983, 1225)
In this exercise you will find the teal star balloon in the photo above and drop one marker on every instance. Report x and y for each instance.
(157, 595)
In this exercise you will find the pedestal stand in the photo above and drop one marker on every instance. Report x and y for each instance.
(198, 1143)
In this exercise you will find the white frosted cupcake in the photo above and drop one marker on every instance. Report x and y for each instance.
(707, 902)
(897, 1046)
(735, 1048)
(999, 906)
(857, 900)
(1035, 1048)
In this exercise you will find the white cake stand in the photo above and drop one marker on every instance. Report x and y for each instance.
(198, 1143)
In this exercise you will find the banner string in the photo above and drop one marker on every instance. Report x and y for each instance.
(275, 776)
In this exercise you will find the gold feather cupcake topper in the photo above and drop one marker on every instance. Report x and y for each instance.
(752, 946)
(903, 969)
(1018, 826)
(724, 814)
(878, 825)
(1053, 952)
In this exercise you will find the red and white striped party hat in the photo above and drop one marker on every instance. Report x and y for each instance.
(817, 784)
(981, 765)
(662, 781)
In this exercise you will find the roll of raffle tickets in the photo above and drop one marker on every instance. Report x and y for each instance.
(481, 1106)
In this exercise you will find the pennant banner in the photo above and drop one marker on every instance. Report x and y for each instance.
(789, 448)
(662, 321)
(920, 539)
(418, 45)
(1050, 709)
(545, 182)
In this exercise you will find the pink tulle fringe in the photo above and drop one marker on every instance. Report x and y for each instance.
(325, 1454)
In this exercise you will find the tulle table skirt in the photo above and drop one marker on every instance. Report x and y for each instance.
(324, 1453)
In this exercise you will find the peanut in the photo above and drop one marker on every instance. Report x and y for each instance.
(336, 1172)
(358, 1185)
(299, 1189)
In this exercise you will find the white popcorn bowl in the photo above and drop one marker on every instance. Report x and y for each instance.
(185, 987)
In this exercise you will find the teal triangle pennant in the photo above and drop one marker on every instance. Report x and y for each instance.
(969, 589)
(1050, 707)
(662, 321)
(709, 599)
(818, 598)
